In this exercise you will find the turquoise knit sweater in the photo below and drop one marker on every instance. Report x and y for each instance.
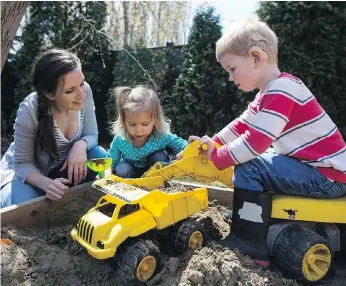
(122, 150)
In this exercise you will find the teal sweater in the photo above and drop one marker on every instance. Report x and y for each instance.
(122, 150)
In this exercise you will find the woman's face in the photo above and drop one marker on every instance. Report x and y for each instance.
(70, 94)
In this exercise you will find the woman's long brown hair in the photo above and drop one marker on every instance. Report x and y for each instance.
(49, 69)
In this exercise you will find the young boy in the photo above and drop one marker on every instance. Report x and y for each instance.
(309, 157)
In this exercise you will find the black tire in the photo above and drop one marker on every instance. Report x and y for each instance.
(293, 249)
(130, 258)
(184, 233)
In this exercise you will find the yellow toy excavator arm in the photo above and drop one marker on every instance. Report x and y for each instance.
(193, 165)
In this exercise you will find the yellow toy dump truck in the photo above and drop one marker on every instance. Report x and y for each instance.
(122, 220)
(127, 212)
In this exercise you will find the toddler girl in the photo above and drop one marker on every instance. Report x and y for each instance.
(141, 131)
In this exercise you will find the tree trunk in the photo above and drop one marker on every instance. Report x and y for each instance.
(11, 14)
(159, 25)
(126, 22)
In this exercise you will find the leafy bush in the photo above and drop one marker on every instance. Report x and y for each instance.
(203, 100)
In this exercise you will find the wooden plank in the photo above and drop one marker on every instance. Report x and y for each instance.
(224, 196)
(26, 213)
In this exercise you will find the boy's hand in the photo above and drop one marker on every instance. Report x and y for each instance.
(211, 146)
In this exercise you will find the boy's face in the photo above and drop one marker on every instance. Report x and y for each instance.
(242, 71)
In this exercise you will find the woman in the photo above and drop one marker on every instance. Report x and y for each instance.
(55, 131)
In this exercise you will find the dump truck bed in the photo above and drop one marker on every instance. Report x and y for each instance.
(168, 209)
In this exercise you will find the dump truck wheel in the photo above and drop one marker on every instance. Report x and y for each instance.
(303, 253)
(189, 235)
(139, 261)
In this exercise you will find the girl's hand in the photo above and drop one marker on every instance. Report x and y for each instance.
(76, 162)
(180, 154)
(190, 140)
(193, 138)
(211, 146)
(56, 189)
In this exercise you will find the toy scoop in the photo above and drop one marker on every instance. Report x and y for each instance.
(99, 165)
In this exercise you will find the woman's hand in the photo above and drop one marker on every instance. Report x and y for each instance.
(56, 189)
(76, 162)
(211, 146)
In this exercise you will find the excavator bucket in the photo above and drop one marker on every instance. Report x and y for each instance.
(193, 165)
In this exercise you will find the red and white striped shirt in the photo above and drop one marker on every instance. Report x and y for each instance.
(287, 116)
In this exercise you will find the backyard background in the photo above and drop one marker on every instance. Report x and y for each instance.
(152, 43)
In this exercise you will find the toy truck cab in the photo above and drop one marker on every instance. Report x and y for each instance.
(115, 217)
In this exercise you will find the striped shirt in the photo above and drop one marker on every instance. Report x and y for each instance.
(64, 145)
(287, 116)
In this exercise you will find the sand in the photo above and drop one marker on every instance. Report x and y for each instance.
(44, 254)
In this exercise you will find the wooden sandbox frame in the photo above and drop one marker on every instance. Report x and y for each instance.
(27, 213)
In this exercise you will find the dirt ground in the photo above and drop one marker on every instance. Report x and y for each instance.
(45, 255)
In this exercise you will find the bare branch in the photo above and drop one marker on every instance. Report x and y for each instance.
(80, 32)
(150, 78)
(79, 43)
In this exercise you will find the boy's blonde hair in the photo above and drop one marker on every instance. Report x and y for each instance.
(138, 99)
(245, 35)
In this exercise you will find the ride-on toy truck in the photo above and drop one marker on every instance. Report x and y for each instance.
(305, 232)
(303, 237)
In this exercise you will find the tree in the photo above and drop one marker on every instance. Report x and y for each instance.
(126, 22)
(127, 72)
(9, 79)
(151, 23)
(203, 101)
(11, 14)
(312, 47)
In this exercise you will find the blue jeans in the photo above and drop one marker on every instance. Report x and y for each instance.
(271, 172)
(128, 170)
(16, 192)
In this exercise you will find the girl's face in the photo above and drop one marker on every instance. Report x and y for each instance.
(139, 125)
(70, 94)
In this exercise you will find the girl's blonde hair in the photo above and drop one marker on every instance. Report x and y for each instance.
(138, 99)
(244, 36)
